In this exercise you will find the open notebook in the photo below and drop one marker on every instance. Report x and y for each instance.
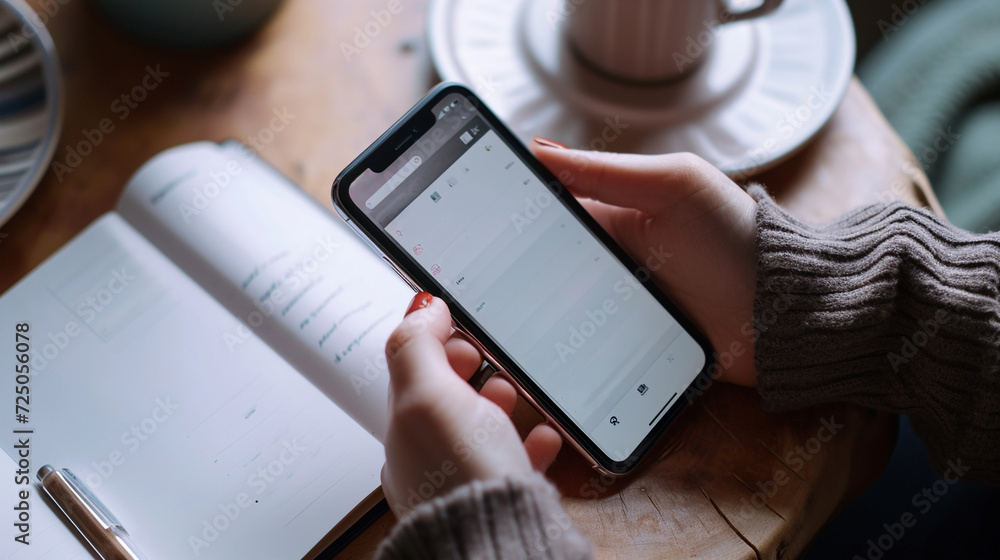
(209, 360)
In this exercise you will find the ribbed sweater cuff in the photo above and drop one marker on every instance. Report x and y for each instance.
(891, 308)
(516, 517)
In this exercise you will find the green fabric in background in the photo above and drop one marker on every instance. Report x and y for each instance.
(936, 76)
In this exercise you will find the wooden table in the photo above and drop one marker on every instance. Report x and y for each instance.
(728, 481)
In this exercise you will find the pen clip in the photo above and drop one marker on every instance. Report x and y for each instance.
(95, 505)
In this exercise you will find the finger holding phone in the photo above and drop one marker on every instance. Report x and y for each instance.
(442, 433)
(688, 224)
(460, 208)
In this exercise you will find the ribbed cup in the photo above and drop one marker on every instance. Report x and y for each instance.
(649, 40)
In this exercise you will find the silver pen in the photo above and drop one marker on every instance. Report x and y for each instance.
(97, 525)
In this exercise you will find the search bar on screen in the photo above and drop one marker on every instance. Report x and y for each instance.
(393, 182)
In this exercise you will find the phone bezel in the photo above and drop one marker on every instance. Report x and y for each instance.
(393, 143)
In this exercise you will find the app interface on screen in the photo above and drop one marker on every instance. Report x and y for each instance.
(547, 291)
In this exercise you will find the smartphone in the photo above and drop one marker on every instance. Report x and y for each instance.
(459, 207)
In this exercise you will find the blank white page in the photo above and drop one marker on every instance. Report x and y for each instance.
(134, 389)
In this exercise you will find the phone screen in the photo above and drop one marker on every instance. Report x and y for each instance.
(463, 205)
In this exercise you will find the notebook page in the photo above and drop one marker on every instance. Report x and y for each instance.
(292, 273)
(201, 451)
(48, 538)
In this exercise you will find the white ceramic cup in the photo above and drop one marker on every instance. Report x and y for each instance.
(649, 40)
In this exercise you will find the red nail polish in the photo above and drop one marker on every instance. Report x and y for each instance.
(548, 143)
(420, 301)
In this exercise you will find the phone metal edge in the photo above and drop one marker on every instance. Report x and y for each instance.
(342, 210)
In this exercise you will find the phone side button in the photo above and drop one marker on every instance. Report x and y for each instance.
(405, 278)
(363, 237)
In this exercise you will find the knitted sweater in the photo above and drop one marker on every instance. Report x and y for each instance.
(889, 307)
(514, 518)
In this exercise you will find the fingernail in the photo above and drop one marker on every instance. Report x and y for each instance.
(420, 301)
(548, 143)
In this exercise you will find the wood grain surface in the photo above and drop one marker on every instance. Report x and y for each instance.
(728, 481)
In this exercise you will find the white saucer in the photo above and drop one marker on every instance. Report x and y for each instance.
(768, 85)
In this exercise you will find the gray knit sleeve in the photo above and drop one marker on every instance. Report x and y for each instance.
(891, 308)
(510, 518)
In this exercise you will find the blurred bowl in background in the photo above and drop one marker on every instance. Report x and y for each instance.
(188, 23)
(30, 104)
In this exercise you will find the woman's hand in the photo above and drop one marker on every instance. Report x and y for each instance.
(443, 434)
(684, 220)
(688, 224)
